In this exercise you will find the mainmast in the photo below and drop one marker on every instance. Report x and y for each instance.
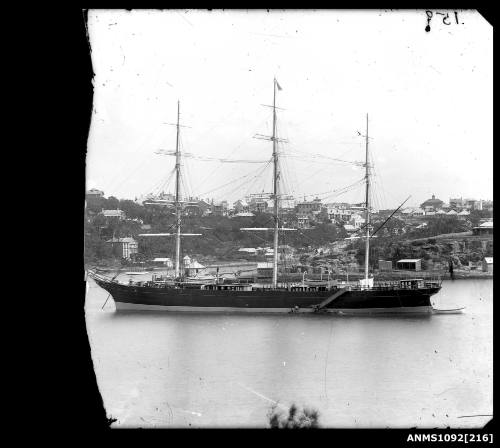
(275, 193)
(177, 207)
(367, 223)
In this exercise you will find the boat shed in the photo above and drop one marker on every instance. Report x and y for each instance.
(384, 265)
(410, 264)
(163, 261)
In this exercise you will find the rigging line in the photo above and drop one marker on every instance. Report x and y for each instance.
(246, 138)
(162, 183)
(263, 179)
(217, 159)
(321, 160)
(253, 186)
(362, 180)
(317, 155)
(234, 180)
(248, 181)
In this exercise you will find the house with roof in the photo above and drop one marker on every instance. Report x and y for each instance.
(357, 221)
(241, 206)
(303, 222)
(94, 193)
(113, 214)
(432, 204)
(308, 207)
(486, 228)
(123, 247)
(350, 228)
(488, 264)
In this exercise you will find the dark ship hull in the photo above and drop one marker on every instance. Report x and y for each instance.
(245, 298)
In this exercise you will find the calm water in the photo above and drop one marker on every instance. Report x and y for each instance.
(195, 370)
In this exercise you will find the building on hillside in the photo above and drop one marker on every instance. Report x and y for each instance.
(339, 214)
(303, 222)
(264, 271)
(123, 247)
(248, 250)
(452, 213)
(457, 203)
(241, 206)
(413, 211)
(112, 214)
(414, 264)
(219, 208)
(258, 205)
(488, 264)
(486, 228)
(463, 214)
(466, 204)
(288, 203)
(487, 205)
(357, 221)
(350, 228)
(432, 204)
(94, 193)
(307, 207)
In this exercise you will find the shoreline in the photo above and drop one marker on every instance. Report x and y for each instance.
(386, 275)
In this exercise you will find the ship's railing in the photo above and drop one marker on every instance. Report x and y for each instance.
(413, 283)
(95, 276)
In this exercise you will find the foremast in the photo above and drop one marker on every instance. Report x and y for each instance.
(177, 201)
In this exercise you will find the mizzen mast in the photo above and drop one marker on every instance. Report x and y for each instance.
(367, 223)
(177, 205)
(275, 192)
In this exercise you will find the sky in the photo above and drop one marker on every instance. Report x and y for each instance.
(428, 96)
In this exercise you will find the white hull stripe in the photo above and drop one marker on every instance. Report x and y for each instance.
(123, 306)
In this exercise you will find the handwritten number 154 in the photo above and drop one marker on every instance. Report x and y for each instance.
(446, 17)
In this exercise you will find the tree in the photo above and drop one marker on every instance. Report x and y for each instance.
(296, 418)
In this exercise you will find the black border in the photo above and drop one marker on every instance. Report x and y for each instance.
(79, 409)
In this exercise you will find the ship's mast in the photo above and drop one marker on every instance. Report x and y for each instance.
(275, 193)
(177, 207)
(367, 223)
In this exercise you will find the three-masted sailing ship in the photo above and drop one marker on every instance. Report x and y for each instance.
(180, 294)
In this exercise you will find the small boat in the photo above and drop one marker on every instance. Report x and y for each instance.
(136, 272)
(448, 310)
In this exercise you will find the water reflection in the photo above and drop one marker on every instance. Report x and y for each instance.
(193, 369)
